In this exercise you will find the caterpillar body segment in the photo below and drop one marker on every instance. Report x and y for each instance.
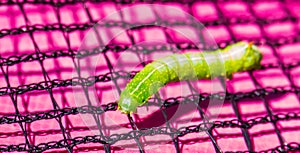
(189, 66)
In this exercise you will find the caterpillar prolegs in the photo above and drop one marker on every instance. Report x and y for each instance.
(237, 57)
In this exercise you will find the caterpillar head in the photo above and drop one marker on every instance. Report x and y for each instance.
(127, 103)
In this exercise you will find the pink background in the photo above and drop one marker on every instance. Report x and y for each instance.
(262, 22)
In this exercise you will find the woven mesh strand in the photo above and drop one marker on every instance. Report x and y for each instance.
(39, 48)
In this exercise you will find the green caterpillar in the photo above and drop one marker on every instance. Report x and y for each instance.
(238, 57)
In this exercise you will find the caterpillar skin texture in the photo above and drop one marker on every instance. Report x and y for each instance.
(189, 66)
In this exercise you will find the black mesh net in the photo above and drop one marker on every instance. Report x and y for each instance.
(39, 47)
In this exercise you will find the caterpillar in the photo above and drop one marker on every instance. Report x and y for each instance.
(237, 57)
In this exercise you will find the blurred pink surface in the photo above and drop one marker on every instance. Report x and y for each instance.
(229, 139)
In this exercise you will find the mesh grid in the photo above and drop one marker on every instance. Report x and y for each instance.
(39, 47)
